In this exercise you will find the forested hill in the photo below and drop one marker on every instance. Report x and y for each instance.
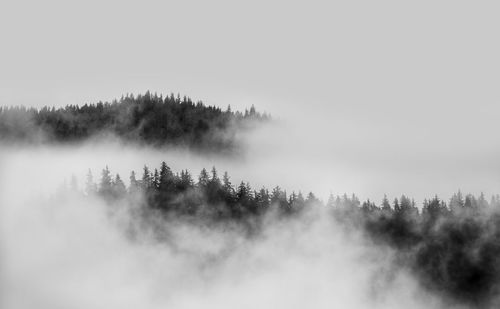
(145, 119)
(453, 248)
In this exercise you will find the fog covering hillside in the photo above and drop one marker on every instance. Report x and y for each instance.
(452, 247)
(147, 119)
(373, 185)
(62, 247)
(138, 234)
(164, 237)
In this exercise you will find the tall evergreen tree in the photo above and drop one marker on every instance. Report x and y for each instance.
(90, 186)
(147, 180)
(203, 178)
(386, 206)
(119, 190)
(105, 186)
(134, 184)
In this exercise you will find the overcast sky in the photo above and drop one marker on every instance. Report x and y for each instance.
(401, 94)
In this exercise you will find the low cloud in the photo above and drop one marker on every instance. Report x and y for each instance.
(61, 251)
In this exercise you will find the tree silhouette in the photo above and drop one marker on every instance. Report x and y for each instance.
(453, 247)
(90, 185)
(106, 186)
(147, 118)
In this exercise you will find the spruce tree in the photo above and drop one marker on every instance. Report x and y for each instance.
(90, 186)
(119, 189)
(105, 186)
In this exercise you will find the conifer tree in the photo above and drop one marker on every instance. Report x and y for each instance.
(331, 201)
(146, 179)
(105, 186)
(386, 206)
(203, 178)
(119, 189)
(90, 186)
(134, 184)
(156, 180)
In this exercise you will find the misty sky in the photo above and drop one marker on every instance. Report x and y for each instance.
(388, 96)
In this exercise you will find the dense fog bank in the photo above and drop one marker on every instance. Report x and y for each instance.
(68, 249)
(62, 248)
(73, 252)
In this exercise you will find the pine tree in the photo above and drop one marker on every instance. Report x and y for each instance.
(105, 186)
(242, 193)
(203, 178)
(156, 180)
(119, 189)
(166, 178)
(397, 209)
(226, 184)
(215, 178)
(146, 179)
(311, 199)
(90, 186)
(331, 201)
(134, 184)
(186, 181)
(386, 206)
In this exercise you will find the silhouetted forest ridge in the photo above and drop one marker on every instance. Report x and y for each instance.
(453, 247)
(148, 118)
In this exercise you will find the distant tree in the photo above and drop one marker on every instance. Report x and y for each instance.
(90, 186)
(227, 188)
(482, 203)
(147, 118)
(118, 188)
(166, 186)
(185, 181)
(106, 186)
(331, 201)
(134, 184)
(203, 179)
(311, 199)
(147, 181)
(214, 188)
(457, 202)
(454, 249)
(279, 199)
(397, 208)
(386, 206)
(155, 180)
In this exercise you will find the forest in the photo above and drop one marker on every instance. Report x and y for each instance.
(144, 119)
(452, 246)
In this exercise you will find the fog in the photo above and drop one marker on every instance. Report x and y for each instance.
(67, 251)
(367, 97)
(388, 97)
(297, 155)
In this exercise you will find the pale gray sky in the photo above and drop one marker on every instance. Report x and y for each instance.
(388, 90)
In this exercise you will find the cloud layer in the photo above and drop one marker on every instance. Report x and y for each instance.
(70, 251)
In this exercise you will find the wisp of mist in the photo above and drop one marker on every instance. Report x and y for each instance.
(72, 252)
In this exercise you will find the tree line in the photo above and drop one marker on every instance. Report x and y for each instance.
(452, 246)
(209, 194)
(148, 118)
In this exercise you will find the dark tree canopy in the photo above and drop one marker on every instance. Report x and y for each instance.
(453, 248)
(150, 118)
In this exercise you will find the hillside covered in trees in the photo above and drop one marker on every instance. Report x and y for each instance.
(145, 119)
(452, 247)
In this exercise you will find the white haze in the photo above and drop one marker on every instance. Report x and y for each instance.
(384, 96)
(298, 155)
(401, 97)
(69, 253)
(371, 97)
